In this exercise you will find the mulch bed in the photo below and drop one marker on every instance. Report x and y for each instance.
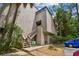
(58, 52)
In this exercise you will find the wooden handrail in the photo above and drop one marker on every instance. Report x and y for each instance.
(34, 31)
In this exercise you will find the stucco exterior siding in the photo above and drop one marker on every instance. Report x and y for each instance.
(11, 12)
(46, 20)
(26, 18)
(46, 27)
(50, 23)
(4, 13)
(41, 16)
(40, 36)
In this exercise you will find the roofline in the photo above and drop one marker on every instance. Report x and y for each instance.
(43, 9)
(35, 6)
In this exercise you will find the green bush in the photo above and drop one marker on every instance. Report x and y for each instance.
(59, 39)
(62, 39)
(17, 38)
(52, 47)
(15, 42)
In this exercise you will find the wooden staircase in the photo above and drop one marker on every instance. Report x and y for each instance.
(27, 41)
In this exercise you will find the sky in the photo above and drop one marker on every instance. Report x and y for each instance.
(1, 5)
(51, 7)
(41, 5)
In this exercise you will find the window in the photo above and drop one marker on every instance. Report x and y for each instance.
(1, 30)
(77, 40)
(38, 23)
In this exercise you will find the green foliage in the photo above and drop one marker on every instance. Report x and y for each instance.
(14, 42)
(68, 26)
(17, 37)
(52, 47)
(59, 39)
(62, 39)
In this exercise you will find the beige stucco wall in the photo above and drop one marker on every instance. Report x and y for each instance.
(4, 13)
(41, 15)
(26, 18)
(47, 26)
(40, 36)
(50, 23)
(46, 20)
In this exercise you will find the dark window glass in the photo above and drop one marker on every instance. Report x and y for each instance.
(38, 23)
(2, 30)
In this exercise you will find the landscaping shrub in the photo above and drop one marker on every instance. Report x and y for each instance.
(17, 38)
(62, 39)
(52, 47)
(14, 42)
(59, 39)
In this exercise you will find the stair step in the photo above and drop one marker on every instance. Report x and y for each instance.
(29, 37)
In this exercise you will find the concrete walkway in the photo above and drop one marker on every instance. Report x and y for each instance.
(34, 52)
(33, 48)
